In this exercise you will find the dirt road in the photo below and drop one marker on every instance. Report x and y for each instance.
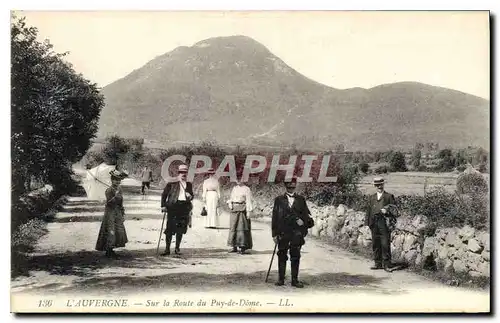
(65, 263)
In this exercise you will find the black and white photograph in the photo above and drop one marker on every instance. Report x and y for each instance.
(250, 161)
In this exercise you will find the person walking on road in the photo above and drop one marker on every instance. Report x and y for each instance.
(112, 233)
(146, 178)
(240, 226)
(176, 200)
(290, 221)
(211, 196)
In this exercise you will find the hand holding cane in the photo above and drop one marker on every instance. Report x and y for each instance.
(161, 231)
(271, 264)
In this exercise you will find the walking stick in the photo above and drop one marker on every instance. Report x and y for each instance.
(270, 265)
(161, 231)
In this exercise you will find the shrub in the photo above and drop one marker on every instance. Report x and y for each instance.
(483, 168)
(94, 158)
(344, 191)
(448, 209)
(472, 183)
(422, 168)
(397, 162)
(27, 234)
(364, 167)
(381, 170)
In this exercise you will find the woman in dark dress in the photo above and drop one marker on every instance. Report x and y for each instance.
(240, 230)
(112, 233)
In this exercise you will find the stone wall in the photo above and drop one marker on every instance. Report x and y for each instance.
(414, 241)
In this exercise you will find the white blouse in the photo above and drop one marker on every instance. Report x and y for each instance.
(242, 193)
(211, 184)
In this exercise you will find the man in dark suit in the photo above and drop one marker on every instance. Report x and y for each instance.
(290, 222)
(379, 209)
(176, 200)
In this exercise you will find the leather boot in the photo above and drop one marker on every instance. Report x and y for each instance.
(295, 274)
(281, 272)
(168, 241)
(178, 239)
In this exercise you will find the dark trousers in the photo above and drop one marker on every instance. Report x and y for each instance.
(168, 241)
(177, 222)
(289, 244)
(381, 241)
(145, 184)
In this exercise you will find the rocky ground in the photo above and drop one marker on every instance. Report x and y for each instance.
(64, 262)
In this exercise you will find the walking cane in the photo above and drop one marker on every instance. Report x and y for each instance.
(161, 231)
(270, 265)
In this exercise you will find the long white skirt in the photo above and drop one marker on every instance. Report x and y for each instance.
(212, 218)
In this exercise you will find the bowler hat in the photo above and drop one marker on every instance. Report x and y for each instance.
(378, 181)
(292, 181)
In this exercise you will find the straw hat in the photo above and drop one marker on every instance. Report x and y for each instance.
(118, 175)
(378, 181)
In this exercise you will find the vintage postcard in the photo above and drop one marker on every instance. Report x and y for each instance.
(250, 162)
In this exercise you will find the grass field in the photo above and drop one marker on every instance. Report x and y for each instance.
(413, 183)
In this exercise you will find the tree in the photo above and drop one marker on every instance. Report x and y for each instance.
(416, 156)
(481, 156)
(54, 111)
(115, 150)
(460, 158)
(339, 149)
(447, 162)
(397, 162)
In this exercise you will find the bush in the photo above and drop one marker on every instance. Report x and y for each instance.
(397, 162)
(364, 167)
(27, 234)
(448, 209)
(472, 183)
(381, 170)
(344, 191)
(422, 168)
(483, 168)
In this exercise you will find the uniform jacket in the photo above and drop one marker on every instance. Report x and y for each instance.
(171, 193)
(284, 219)
(375, 205)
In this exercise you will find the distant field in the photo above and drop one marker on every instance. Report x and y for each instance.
(412, 183)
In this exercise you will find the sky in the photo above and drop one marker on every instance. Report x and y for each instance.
(338, 49)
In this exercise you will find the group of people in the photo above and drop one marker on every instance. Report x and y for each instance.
(291, 219)
(176, 201)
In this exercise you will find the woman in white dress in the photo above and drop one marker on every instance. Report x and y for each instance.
(211, 196)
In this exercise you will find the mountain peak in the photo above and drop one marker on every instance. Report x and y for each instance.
(228, 39)
(233, 90)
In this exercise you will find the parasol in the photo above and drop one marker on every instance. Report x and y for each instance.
(97, 181)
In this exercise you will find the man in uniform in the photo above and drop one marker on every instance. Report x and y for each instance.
(176, 201)
(380, 209)
(290, 222)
